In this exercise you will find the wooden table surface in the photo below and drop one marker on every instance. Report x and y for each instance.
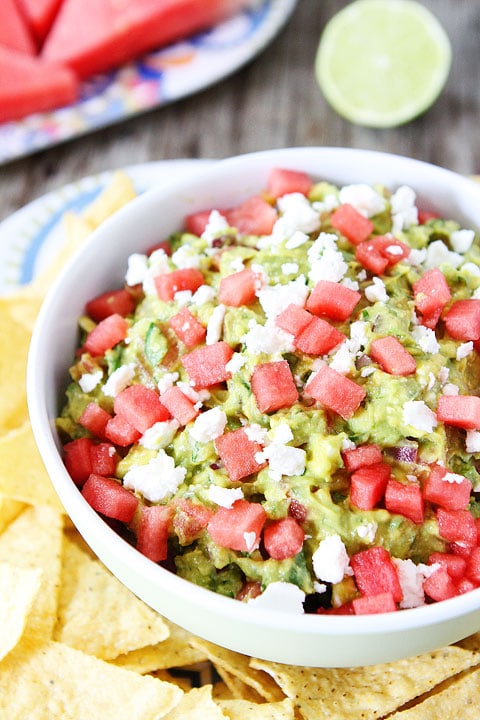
(272, 102)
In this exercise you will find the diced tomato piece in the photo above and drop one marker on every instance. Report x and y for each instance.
(40, 15)
(152, 531)
(362, 455)
(293, 319)
(78, 460)
(14, 32)
(334, 300)
(110, 498)
(179, 405)
(392, 357)
(373, 604)
(440, 586)
(282, 181)
(472, 570)
(167, 284)
(120, 432)
(140, 406)
(186, 326)
(376, 573)
(370, 257)
(113, 302)
(352, 224)
(190, 520)
(104, 459)
(463, 320)
(206, 365)
(367, 485)
(198, 221)
(94, 419)
(108, 333)
(238, 527)
(453, 564)
(431, 292)
(405, 499)
(391, 249)
(239, 288)
(283, 538)
(273, 386)
(458, 527)
(237, 453)
(448, 490)
(252, 217)
(335, 391)
(318, 338)
(459, 410)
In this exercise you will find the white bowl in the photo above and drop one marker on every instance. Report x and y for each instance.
(314, 640)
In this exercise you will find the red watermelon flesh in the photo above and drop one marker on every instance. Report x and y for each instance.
(14, 31)
(40, 15)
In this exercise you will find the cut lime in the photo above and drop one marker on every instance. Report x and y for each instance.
(381, 63)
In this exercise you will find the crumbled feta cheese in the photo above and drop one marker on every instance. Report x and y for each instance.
(368, 531)
(348, 444)
(472, 269)
(275, 298)
(296, 214)
(280, 597)
(417, 414)
(461, 240)
(282, 459)
(167, 381)
(194, 395)
(251, 540)
(296, 240)
(425, 339)
(215, 324)
(404, 211)
(472, 441)
(256, 433)
(464, 350)
(450, 389)
(443, 374)
(186, 257)
(364, 199)
(137, 269)
(225, 497)
(203, 295)
(282, 433)
(415, 257)
(119, 380)
(183, 297)
(157, 265)
(156, 480)
(376, 292)
(330, 560)
(411, 578)
(358, 336)
(366, 371)
(159, 435)
(89, 381)
(209, 425)
(439, 254)
(343, 360)
(326, 260)
(351, 284)
(329, 203)
(268, 339)
(216, 225)
(236, 362)
(453, 478)
(290, 268)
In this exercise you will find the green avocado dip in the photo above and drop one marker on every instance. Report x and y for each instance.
(281, 404)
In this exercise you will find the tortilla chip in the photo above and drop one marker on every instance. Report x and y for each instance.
(366, 692)
(118, 193)
(242, 709)
(14, 341)
(24, 306)
(237, 688)
(18, 588)
(99, 615)
(471, 643)
(183, 682)
(9, 510)
(51, 681)
(175, 651)
(34, 541)
(22, 473)
(197, 704)
(239, 666)
(459, 699)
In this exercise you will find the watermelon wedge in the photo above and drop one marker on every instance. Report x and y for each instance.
(29, 85)
(14, 31)
(92, 36)
(40, 15)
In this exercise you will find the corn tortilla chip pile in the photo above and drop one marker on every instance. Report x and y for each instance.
(75, 644)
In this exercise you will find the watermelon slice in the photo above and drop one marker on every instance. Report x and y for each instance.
(40, 15)
(14, 31)
(92, 36)
(29, 85)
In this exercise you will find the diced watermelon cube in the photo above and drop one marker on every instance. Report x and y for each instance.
(431, 292)
(112, 302)
(463, 320)
(239, 288)
(367, 485)
(186, 326)
(455, 565)
(196, 223)
(376, 573)
(108, 497)
(238, 527)
(282, 181)
(78, 460)
(120, 432)
(335, 391)
(440, 586)
(14, 32)
(425, 215)
(152, 531)
(458, 528)
(351, 224)
(283, 538)
(293, 319)
(167, 284)
(405, 499)
(104, 459)
(392, 357)
(391, 249)
(345, 609)
(179, 405)
(108, 333)
(206, 365)
(472, 570)
(318, 338)
(273, 386)
(357, 457)
(94, 419)
(40, 15)
(453, 495)
(334, 300)
(140, 406)
(370, 257)
(459, 410)
(373, 604)
(252, 217)
(238, 454)
(190, 520)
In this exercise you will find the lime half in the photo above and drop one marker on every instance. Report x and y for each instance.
(381, 63)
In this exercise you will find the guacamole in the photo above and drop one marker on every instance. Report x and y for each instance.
(285, 394)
